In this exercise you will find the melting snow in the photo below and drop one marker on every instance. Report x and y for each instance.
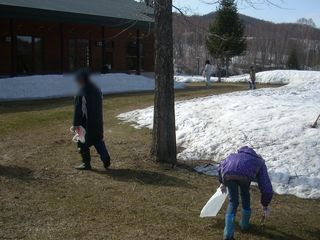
(272, 77)
(276, 122)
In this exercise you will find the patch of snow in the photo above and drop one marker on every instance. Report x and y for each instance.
(190, 79)
(53, 86)
(274, 121)
(268, 77)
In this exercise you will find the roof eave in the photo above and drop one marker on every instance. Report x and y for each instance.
(14, 12)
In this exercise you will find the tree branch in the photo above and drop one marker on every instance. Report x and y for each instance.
(251, 3)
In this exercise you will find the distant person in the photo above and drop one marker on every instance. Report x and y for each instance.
(88, 113)
(237, 172)
(252, 82)
(207, 73)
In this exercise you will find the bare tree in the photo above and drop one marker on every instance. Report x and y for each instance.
(305, 21)
(164, 132)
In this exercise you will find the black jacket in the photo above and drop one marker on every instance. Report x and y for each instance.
(88, 113)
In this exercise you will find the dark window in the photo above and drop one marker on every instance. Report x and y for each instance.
(24, 54)
(38, 54)
(132, 55)
(109, 61)
(79, 53)
(108, 55)
(109, 45)
(29, 54)
(72, 54)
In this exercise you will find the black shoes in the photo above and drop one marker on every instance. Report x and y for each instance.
(87, 166)
(84, 167)
(106, 164)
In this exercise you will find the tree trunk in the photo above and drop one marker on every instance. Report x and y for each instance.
(219, 72)
(164, 132)
(227, 67)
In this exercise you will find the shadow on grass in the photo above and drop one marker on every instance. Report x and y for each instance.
(265, 232)
(314, 234)
(272, 233)
(15, 172)
(144, 177)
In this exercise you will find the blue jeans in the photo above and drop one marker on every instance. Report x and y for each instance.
(233, 189)
(208, 79)
(252, 85)
(101, 148)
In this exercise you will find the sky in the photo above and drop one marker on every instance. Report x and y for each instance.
(288, 10)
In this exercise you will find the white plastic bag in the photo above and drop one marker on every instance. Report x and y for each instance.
(213, 206)
(80, 134)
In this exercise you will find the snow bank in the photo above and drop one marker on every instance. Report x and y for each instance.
(268, 77)
(52, 86)
(275, 122)
(197, 79)
(190, 79)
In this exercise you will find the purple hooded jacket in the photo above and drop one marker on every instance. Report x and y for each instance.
(247, 165)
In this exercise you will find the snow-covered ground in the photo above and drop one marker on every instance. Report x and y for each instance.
(276, 122)
(52, 86)
(262, 77)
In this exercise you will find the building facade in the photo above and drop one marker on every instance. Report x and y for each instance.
(61, 36)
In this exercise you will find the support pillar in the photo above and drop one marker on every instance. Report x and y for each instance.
(13, 49)
(138, 68)
(61, 48)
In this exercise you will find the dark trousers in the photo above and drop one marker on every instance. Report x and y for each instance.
(101, 148)
(252, 85)
(233, 189)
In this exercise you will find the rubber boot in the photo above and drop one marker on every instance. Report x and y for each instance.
(86, 159)
(245, 219)
(84, 166)
(229, 227)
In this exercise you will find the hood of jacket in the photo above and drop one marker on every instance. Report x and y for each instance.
(248, 150)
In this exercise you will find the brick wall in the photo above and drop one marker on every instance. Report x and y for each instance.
(50, 33)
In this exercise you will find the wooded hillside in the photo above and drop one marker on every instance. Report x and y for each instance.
(269, 44)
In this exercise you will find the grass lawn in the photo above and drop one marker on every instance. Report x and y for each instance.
(43, 197)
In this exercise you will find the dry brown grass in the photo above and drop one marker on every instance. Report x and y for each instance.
(43, 197)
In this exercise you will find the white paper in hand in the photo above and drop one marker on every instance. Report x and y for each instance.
(80, 135)
(213, 206)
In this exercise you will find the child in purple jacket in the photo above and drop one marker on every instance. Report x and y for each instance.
(237, 172)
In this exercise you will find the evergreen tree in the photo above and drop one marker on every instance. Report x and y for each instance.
(226, 34)
(293, 61)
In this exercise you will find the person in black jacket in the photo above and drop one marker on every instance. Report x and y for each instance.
(88, 113)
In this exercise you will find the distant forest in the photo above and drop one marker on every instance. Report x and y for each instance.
(269, 44)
